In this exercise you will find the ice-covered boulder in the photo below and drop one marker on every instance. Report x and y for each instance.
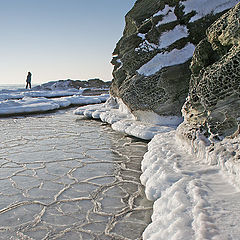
(151, 60)
(213, 105)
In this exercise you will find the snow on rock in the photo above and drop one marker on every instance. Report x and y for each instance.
(155, 51)
(161, 60)
(201, 10)
(166, 39)
(55, 85)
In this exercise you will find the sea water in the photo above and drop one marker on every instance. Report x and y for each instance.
(66, 177)
(12, 86)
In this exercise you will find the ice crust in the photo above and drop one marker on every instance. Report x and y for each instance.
(195, 191)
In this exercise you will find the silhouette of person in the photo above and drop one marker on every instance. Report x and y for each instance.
(28, 80)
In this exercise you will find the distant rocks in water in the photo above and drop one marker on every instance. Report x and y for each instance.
(213, 105)
(92, 86)
(151, 60)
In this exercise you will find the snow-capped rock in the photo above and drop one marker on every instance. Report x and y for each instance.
(151, 61)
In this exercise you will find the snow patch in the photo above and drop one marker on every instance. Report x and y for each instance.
(166, 185)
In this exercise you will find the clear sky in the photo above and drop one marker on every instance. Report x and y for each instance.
(59, 39)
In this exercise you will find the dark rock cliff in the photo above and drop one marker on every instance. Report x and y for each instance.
(151, 61)
(213, 105)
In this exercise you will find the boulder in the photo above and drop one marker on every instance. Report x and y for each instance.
(213, 104)
(151, 60)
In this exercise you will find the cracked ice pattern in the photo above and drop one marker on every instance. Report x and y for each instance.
(67, 178)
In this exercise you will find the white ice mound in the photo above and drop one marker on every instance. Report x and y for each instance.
(27, 105)
(42, 104)
(6, 94)
(193, 200)
(139, 129)
(166, 185)
(84, 100)
(116, 113)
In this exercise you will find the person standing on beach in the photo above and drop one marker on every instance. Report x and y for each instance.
(28, 80)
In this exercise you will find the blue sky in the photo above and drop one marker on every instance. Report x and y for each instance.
(59, 39)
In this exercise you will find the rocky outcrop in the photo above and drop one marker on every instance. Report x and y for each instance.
(213, 106)
(151, 61)
(66, 84)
